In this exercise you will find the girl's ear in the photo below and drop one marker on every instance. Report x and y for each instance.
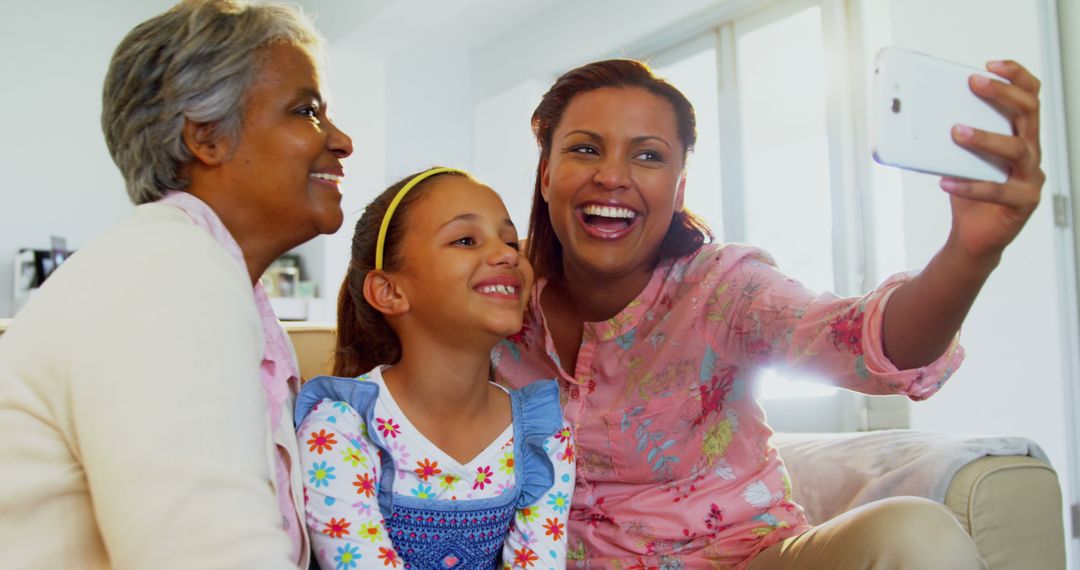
(383, 294)
(204, 144)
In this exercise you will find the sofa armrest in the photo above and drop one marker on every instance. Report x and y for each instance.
(1009, 502)
(1011, 506)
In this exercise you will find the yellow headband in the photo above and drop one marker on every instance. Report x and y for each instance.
(380, 245)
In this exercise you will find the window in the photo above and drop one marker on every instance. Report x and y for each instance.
(693, 69)
(776, 165)
(786, 193)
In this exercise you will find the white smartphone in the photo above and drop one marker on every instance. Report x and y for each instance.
(917, 100)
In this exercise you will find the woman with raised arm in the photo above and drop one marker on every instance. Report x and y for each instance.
(657, 336)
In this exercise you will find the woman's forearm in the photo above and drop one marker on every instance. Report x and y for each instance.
(924, 314)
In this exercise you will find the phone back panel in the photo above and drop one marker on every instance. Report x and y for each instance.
(917, 100)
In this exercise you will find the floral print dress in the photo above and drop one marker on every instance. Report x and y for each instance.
(674, 464)
(356, 468)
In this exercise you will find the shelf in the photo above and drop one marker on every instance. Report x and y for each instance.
(290, 308)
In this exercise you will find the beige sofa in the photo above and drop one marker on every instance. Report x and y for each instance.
(1011, 505)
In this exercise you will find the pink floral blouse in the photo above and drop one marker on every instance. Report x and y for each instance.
(674, 465)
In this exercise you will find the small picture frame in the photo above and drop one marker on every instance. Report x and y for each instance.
(287, 260)
(59, 251)
(44, 265)
(282, 278)
(283, 281)
(27, 274)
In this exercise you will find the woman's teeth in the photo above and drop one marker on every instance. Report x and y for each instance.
(325, 176)
(499, 289)
(608, 211)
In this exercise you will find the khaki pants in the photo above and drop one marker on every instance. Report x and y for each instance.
(901, 532)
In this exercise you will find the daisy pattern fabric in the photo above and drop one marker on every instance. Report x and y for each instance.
(674, 467)
(379, 494)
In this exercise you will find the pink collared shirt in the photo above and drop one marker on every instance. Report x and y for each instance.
(279, 370)
(675, 468)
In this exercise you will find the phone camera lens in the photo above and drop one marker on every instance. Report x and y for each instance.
(895, 105)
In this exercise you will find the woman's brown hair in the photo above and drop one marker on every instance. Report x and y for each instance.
(686, 233)
(364, 338)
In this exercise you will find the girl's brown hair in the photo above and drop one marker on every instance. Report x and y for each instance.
(364, 338)
(687, 231)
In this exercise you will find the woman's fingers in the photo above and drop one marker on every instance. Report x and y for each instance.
(1018, 99)
(1014, 150)
(1017, 74)
(1021, 190)
(1022, 197)
(990, 214)
(1013, 98)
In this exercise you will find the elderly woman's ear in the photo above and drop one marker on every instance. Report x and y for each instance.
(204, 143)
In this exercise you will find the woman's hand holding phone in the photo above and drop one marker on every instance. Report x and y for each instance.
(987, 216)
(924, 314)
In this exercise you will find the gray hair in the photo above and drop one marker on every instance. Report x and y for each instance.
(194, 62)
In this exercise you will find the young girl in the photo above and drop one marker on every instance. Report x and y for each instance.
(420, 461)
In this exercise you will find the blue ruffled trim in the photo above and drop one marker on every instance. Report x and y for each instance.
(537, 416)
(361, 395)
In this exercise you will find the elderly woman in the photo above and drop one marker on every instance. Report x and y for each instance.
(145, 392)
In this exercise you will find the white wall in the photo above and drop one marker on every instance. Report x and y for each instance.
(428, 104)
(1012, 382)
(357, 96)
(572, 33)
(504, 150)
(56, 177)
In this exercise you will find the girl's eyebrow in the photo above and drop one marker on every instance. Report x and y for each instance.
(470, 217)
